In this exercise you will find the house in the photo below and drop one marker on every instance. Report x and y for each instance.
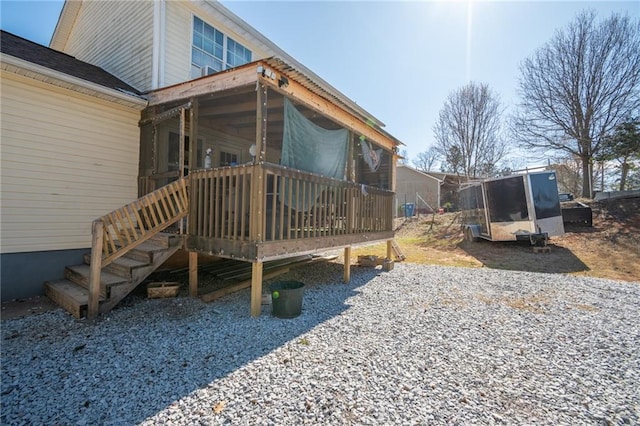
(417, 187)
(218, 134)
(70, 143)
(429, 191)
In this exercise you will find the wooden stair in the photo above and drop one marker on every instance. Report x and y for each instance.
(117, 279)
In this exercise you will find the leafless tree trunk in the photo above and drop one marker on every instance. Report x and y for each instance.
(577, 87)
(468, 131)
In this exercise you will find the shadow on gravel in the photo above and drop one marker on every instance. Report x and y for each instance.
(519, 256)
(145, 356)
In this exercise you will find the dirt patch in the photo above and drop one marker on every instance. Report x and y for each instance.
(29, 306)
(608, 249)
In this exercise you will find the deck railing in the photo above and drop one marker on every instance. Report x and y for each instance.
(123, 229)
(288, 204)
(131, 225)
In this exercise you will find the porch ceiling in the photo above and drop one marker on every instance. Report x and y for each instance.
(236, 114)
(227, 101)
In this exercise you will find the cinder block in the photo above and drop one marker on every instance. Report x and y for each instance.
(545, 249)
(387, 265)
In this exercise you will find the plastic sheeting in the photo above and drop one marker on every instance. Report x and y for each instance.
(311, 148)
(308, 147)
(373, 157)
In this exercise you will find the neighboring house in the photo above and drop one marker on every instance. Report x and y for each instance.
(449, 186)
(229, 132)
(416, 187)
(429, 191)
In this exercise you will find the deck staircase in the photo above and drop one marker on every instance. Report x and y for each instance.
(117, 279)
(127, 246)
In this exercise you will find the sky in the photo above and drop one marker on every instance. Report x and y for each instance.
(398, 60)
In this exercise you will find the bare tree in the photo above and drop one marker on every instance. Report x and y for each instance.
(468, 131)
(578, 87)
(404, 157)
(427, 159)
(568, 174)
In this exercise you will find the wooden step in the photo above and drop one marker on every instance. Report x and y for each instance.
(69, 295)
(145, 252)
(79, 274)
(164, 239)
(124, 266)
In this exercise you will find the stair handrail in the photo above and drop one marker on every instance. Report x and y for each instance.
(123, 229)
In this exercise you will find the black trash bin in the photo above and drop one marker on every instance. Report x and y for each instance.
(286, 298)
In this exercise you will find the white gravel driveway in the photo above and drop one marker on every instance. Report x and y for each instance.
(417, 345)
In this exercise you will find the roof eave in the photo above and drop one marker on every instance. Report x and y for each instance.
(57, 78)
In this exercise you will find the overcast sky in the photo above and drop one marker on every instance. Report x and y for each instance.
(398, 60)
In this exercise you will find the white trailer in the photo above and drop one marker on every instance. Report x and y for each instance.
(522, 206)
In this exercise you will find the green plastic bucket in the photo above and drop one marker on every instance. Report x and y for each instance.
(286, 298)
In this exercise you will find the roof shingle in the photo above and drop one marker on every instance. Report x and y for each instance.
(11, 44)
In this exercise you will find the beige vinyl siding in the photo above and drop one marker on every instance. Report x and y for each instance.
(116, 36)
(66, 159)
(178, 33)
(409, 182)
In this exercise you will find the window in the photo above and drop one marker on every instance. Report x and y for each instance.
(213, 51)
(228, 159)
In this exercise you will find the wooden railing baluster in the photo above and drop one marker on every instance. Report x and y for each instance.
(302, 205)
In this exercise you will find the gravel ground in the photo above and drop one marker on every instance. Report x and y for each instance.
(417, 345)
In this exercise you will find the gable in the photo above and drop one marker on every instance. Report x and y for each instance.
(406, 173)
(154, 41)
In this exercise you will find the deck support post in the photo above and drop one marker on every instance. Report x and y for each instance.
(97, 230)
(347, 264)
(193, 274)
(256, 288)
(389, 249)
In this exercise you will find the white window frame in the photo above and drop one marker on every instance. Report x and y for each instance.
(225, 56)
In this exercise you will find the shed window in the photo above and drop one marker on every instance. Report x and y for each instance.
(213, 51)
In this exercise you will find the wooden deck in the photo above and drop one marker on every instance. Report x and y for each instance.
(288, 212)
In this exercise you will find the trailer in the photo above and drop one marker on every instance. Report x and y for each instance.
(519, 207)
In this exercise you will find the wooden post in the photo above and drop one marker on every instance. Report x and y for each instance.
(193, 135)
(261, 123)
(154, 150)
(389, 248)
(258, 200)
(193, 274)
(351, 192)
(182, 139)
(347, 264)
(97, 230)
(350, 159)
(258, 184)
(256, 289)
